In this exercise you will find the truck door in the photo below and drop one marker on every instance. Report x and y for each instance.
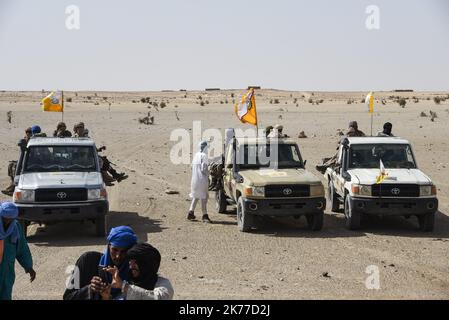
(337, 178)
(227, 178)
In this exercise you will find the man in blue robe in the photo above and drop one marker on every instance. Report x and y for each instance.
(13, 246)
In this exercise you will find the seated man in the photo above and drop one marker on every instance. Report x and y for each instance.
(353, 130)
(89, 281)
(386, 131)
(106, 166)
(61, 131)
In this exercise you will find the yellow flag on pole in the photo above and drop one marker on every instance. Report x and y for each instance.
(246, 109)
(369, 100)
(383, 173)
(54, 102)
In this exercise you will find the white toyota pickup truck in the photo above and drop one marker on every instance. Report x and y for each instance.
(59, 179)
(404, 191)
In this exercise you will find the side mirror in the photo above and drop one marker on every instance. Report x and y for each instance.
(346, 176)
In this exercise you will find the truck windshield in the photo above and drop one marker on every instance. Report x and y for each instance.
(393, 156)
(263, 156)
(60, 158)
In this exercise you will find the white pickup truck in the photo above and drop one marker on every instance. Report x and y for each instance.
(405, 190)
(59, 179)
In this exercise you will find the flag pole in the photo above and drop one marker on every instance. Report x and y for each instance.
(62, 98)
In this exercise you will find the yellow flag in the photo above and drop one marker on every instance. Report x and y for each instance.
(369, 100)
(383, 173)
(246, 109)
(53, 102)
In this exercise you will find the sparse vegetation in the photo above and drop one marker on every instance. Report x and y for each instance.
(232, 95)
(200, 98)
(69, 99)
(310, 100)
(162, 104)
(207, 101)
(276, 101)
(402, 102)
(202, 103)
(437, 100)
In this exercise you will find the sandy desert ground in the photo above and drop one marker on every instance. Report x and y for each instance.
(282, 260)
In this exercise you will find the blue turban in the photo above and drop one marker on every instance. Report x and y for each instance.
(9, 210)
(119, 237)
(35, 129)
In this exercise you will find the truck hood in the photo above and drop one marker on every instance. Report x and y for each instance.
(412, 176)
(37, 180)
(262, 177)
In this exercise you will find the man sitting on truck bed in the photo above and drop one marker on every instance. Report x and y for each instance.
(106, 166)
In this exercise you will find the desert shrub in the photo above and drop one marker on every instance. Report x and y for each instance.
(437, 100)
(349, 101)
(143, 100)
(200, 97)
(271, 101)
(207, 101)
(402, 102)
(221, 102)
(226, 101)
(162, 104)
(69, 99)
(89, 97)
(232, 95)
(202, 103)
(276, 101)
(310, 100)
(155, 104)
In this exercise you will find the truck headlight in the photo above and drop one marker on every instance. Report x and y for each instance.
(259, 191)
(317, 190)
(23, 195)
(362, 190)
(96, 194)
(255, 191)
(426, 191)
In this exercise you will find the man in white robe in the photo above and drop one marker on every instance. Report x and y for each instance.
(200, 182)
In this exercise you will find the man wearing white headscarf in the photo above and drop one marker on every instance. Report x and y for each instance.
(200, 182)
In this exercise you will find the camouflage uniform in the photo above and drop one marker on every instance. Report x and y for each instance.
(216, 173)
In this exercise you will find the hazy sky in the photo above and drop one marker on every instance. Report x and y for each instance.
(194, 44)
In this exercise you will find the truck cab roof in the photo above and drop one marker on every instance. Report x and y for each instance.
(42, 141)
(376, 140)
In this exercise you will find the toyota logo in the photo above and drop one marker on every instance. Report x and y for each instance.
(61, 195)
(287, 191)
(396, 191)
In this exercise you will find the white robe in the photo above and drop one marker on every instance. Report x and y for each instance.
(200, 177)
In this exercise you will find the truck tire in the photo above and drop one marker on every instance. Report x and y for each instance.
(352, 217)
(244, 220)
(220, 201)
(315, 221)
(333, 198)
(100, 226)
(426, 222)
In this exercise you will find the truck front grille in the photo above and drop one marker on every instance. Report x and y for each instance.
(61, 195)
(287, 191)
(395, 190)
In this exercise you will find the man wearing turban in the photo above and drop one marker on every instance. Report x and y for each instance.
(13, 246)
(89, 280)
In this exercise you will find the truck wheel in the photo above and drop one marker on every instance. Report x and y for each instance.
(315, 221)
(244, 220)
(100, 226)
(352, 217)
(426, 222)
(220, 201)
(333, 198)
